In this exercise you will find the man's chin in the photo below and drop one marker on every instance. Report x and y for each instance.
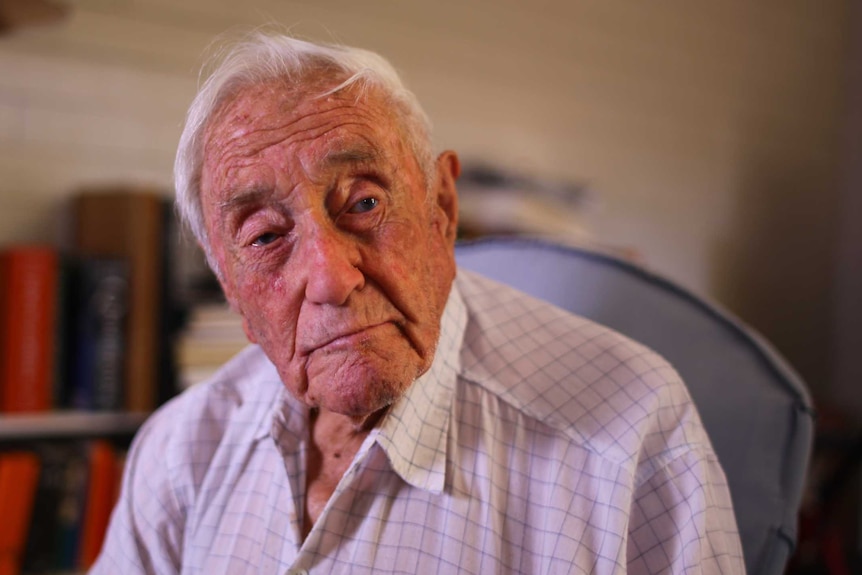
(362, 379)
(363, 409)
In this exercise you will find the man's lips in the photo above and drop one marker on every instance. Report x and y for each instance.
(344, 338)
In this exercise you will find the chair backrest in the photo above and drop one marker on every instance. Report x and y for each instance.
(756, 410)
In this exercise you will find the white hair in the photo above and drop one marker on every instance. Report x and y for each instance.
(262, 57)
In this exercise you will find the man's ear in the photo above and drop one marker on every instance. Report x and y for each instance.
(448, 170)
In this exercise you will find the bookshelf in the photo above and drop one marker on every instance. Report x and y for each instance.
(78, 457)
(68, 424)
(87, 332)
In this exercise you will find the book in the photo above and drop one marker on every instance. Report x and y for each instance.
(41, 554)
(19, 473)
(65, 336)
(29, 292)
(212, 335)
(171, 319)
(70, 507)
(100, 498)
(101, 296)
(128, 223)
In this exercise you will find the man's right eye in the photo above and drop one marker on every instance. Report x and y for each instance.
(264, 239)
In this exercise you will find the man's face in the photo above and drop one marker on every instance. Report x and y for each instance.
(332, 248)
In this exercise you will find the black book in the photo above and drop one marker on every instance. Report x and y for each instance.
(100, 344)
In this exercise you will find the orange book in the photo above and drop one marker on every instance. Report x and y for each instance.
(19, 476)
(129, 224)
(29, 276)
(101, 497)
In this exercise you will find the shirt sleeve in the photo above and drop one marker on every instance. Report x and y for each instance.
(682, 520)
(146, 528)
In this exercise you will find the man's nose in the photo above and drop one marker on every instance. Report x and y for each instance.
(331, 265)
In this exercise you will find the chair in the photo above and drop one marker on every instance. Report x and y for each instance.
(756, 410)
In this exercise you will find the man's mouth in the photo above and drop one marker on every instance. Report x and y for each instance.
(348, 338)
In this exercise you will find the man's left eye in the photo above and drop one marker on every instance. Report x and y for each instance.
(264, 239)
(364, 205)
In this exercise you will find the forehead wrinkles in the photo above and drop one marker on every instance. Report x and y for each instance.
(254, 123)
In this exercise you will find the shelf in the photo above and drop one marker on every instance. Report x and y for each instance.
(68, 424)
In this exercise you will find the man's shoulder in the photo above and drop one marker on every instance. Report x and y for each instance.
(233, 404)
(586, 381)
(513, 336)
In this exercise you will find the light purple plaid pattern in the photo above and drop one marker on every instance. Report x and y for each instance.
(538, 442)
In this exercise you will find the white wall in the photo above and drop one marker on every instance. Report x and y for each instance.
(709, 130)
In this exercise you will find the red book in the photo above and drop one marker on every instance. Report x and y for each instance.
(29, 292)
(101, 496)
(19, 475)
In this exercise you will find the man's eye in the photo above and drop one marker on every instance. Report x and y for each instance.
(264, 239)
(364, 205)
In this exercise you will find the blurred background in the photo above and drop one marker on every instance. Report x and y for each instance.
(715, 141)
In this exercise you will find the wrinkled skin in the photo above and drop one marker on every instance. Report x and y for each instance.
(331, 246)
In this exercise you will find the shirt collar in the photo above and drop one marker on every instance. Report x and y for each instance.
(414, 434)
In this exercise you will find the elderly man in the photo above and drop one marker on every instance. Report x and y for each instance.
(395, 414)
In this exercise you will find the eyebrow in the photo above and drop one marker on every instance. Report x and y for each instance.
(352, 156)
(240, 198)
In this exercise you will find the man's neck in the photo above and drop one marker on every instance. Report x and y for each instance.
(334, 441)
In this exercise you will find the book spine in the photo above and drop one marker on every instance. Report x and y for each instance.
(70, 508)
(19, 476)
(29, 327)
(65, 337)
(102, 295)
(171, 317)
(101, 496)
(41, 554)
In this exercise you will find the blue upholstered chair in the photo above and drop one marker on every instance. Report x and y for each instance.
(755, 408)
